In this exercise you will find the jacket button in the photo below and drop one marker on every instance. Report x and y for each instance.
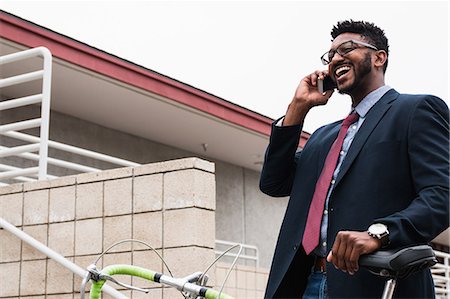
(295, 247)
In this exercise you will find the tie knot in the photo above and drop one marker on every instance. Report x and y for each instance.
(351, 118)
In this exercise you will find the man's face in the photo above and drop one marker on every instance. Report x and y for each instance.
(352, 70)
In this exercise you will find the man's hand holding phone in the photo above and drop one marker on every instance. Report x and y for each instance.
(326, 84)
(307, 96)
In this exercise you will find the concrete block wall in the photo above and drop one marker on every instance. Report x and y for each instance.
(170, 205)
(243, 282)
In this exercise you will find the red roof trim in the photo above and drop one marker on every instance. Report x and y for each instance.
(31, 35)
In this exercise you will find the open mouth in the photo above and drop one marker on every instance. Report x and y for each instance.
(341, 71)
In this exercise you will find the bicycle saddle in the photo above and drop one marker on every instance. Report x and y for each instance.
(399, 263)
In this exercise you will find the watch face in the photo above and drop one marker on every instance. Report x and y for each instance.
(377, 228)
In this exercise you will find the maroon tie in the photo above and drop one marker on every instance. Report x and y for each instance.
(312, 228)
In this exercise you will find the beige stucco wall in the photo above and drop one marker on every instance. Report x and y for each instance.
(171, 205)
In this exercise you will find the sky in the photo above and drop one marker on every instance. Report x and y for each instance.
(254, 53)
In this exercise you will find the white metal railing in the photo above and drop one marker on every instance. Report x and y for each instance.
(43, 97)
(441, 275)
(54, 255)
(42, 143)
(250, 252)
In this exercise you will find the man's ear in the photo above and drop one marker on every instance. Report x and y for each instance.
(380, 58)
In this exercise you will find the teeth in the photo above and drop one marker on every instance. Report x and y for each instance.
(341, 70)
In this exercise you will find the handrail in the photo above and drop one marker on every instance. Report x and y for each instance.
(254, 257)
(42, 142)
(28, 100)
(44, 74)
(72, 149)
(54, 255)
(32, 76)
(441, 275)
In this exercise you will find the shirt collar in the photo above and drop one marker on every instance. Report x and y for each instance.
(370, 100)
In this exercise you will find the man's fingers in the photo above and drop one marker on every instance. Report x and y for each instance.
(340, 251)
(353, 260)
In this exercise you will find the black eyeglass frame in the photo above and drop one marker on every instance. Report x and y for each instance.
(326, 57)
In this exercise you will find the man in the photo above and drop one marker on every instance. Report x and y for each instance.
(382, 182)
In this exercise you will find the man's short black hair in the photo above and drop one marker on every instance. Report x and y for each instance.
(372, 33)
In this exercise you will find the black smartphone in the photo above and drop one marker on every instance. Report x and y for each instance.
(326, 84)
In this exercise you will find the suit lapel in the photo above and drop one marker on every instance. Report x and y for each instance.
(373, 117)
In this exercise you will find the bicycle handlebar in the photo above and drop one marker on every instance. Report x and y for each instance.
(180, 284)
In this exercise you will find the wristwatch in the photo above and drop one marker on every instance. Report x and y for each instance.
(380, 232)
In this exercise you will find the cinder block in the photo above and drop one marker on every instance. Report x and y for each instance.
(61, 296)
(189, 188)
(37, 185)
(104, 175)
(148, 259)
(171, 293)
(260, 294)
(232, 292)
(62, 204)
(9, 247)
(241, 279)
(61, 238)
(148, 227)
(59, 279)
(147, 193)
(84, 262)
(35, 207)
(240, 293)
(192, 226)
(118, 197)
(88, 236)
(63, 181)
(187, 260)
(250, 294)
(118, 258)
(173, 165)
(38, 232)
(116, 229)
(250, 280)
(9, 279)
(32, 277)
(89, 200)
(13, 188)
(125, 293)
(220, 275)
(152, 294)
(232, 279)
(261, 281)
(11, 208)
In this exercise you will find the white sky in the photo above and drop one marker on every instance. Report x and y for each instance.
(254, 53)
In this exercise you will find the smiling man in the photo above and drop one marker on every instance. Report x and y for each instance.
(378, 179)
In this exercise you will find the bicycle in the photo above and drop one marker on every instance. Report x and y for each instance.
(392, 264)
(192, 286)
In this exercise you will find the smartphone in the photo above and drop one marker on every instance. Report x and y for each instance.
(326, 84)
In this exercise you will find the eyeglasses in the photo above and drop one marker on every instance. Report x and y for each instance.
(343, 49)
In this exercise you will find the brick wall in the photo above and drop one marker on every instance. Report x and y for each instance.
(244, 281)
(170, 205)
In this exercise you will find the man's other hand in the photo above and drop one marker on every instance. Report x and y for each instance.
(347, 248)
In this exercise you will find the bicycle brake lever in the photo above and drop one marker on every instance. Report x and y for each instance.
(110, 278)
(91, 273)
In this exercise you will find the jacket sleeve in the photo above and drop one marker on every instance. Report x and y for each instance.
(278, 171)
(428, 150)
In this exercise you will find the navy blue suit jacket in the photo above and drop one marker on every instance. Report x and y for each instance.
(396, 172)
